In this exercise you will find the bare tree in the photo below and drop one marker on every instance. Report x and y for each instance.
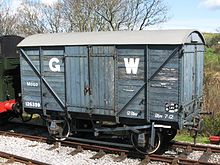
(8, 21)
(106, 15)
(40, 18)
(80, 15)
(31, 19)
(114, 12)
(144, 13)
(54, 17)
(90, 15)
(132, 14)
(93, 15)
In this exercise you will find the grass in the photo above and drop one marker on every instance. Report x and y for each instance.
(187, 138)
(212, 59)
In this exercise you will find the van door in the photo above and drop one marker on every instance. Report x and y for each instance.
(77, 79)
(102, 79)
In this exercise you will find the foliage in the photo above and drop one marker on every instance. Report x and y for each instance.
(212, 86)
(210, 38)
(213, 41)
(212, 60)
(212, 125)
(182, 136)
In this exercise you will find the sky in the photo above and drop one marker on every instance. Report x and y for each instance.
(203, 15)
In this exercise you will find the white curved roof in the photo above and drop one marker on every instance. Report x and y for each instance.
(114, 38)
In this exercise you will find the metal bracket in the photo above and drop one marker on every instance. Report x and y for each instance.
(152, 135)
(126, 128)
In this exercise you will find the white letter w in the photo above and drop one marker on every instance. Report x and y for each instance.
(131, 65)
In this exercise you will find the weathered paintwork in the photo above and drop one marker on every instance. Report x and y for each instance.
(149, 82)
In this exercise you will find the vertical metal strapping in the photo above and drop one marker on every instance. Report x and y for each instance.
(65, 80)
(180, 80)
(116, 81)
(89, 79)
(41, 81)
(88, 60)
(146, 62)
(180, 56)
(200, 60)
(21, 74)
(105, 105)
(196, 71)
(182, 74)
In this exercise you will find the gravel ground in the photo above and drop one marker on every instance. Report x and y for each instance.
(41, 152)
(195, 155)
(5, 161)
(215, 158)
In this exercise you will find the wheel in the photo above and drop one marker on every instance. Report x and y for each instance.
(145, 148)
(169, 134)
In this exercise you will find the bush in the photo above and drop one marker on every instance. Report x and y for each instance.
(217, 49)
(212, 60)
(212, 40)
(211, 92)
(212, 125)
(212, 85)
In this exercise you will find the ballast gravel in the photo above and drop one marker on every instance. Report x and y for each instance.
(4, 161)
(215, 158)
(60, 156)
(195, 155)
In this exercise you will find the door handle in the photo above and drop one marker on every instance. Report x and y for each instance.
(87, 89)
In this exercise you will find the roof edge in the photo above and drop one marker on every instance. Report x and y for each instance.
(199, 33)
(168, 36)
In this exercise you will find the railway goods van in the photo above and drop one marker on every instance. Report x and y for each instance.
(136, 85)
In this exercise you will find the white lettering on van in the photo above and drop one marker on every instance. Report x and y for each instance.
(131, 65)
(32, 104)
(54, 68)
(32, 84)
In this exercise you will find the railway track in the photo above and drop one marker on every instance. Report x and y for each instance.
(173, 160)
(124, 153)
(191, 147)
(15, 158)
(188, 148)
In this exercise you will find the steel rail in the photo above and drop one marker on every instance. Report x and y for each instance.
(125, 152)
(174, 160)
(66, 143)
(16, 158)
(195, 147)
